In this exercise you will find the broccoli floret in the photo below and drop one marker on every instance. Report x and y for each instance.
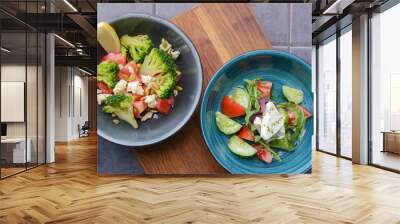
(121, 106)
(164, 84)
(138, 46)
(107, 72)
(158, 61)
(124, 51)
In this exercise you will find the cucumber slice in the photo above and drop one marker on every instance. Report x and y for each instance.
(241, 97)
(240, 147)
(226, 125)
(292, 95)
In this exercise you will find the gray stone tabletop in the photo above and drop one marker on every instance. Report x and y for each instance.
(284, 23)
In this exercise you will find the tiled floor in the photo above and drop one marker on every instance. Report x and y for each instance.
(286, 31)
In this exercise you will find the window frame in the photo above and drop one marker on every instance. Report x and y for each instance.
(334, 37)
(381, 9)
(29, 29)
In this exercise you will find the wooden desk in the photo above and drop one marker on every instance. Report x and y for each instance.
(17, 150)
(391, 141)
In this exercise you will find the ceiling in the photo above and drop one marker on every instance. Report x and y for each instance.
(72, 20)
(34, 6)
(332, 15)
(75, 21)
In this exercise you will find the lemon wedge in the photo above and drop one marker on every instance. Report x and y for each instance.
(107, 37)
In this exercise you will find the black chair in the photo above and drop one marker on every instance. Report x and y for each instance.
(84, 130)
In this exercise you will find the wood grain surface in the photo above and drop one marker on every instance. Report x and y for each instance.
(70, 191)
(219, 33)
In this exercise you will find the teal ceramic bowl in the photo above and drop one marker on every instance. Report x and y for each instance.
(278, 67)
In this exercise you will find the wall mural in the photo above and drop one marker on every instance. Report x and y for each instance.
(197, 95)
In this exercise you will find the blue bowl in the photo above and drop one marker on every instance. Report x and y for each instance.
(278, 67)
(156, 130)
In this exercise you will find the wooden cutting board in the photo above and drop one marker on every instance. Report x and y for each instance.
(219, 32)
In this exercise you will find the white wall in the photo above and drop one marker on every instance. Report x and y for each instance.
(61, 103)
(70, 83)
(14, 73)
(80, 110)
(34, 124)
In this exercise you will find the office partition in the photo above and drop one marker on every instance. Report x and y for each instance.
(22, 77)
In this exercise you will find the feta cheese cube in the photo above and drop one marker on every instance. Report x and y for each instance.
(135, 88)
(281, 133)
(146, 79)
(258, 122)
(120, 87)
(271, 124)
(151, 100)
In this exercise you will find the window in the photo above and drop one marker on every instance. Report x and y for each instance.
(385, 89)
(394, 102)
(334, 106)
(327, 96)
(346, 93)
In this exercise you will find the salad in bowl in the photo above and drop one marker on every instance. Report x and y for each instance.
(255, 114)
(257, 124)
(139, 81)
(149, 80)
